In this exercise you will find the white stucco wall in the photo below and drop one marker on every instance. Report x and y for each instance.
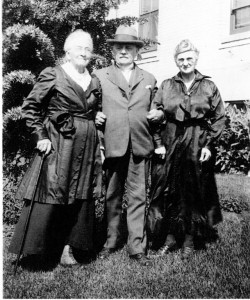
(224, 57)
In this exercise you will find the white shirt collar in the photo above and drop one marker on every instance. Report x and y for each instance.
(127, 73)
(82, 79)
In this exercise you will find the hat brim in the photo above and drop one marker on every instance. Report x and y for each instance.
(138, 43)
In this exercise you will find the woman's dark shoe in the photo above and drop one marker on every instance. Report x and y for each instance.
(165, 249)
(142, 259)
(105, 253)
(187, 252)
(84, 256)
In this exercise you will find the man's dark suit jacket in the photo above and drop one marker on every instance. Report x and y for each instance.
(126, 106)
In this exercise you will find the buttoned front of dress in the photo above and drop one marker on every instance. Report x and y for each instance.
(182, 184)
(68, 170)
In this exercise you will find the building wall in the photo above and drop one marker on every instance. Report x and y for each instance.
(224, 57)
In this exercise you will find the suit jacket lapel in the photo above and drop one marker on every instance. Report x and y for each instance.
(115, 76)
(136, 77)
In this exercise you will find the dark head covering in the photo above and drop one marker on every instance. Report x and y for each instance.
(126, 35)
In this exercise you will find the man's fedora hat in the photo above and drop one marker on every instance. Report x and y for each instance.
(126, 35)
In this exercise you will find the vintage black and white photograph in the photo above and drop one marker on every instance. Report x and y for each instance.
(126, 149)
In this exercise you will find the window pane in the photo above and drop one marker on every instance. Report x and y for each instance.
(154, 27)
(155, 4)
(144, 28)
(149, 30)
(240, 3)
(148, 6)
(242, 17)
(145, 6)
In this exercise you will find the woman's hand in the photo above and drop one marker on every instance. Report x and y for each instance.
(100, 119)
(155, 115)
(102, 154)
(44, 146)
(205, 154)
(161, 151)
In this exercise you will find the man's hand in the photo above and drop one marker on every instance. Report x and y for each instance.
(205, 154)
(100, 119)
(44, 146)
(161, 151)
(155, 115)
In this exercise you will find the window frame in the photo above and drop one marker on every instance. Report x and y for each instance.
(234, 8)
(153, 47)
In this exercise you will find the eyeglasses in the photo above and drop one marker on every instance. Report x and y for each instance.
(80, 48)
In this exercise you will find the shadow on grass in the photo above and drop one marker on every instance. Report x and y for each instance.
(34, 263)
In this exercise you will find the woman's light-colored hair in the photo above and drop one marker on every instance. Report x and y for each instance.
(76, 35)
(184, 46)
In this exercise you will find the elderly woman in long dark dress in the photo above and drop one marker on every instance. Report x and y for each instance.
(60, 111)
(184, 200)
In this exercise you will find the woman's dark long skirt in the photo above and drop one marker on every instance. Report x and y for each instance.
(52, 226)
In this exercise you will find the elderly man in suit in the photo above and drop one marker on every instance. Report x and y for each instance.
(127, 92)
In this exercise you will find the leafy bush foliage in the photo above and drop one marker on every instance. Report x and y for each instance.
(16, 86)
(234, 204)
(26, 47)
(57, 18)
(16, 11)
(17, 76)
(233, 149)
(11, 207)
(16, 139)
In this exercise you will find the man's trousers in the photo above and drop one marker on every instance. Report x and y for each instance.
(134, 171)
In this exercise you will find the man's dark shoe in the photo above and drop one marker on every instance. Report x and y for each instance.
(142, 259)
(105, 253)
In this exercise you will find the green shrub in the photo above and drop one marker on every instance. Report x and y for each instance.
(16, 86)
(11, 207)
(233, 149)
(234, 192)
(234, 204)
(26, 47)
(16, 138)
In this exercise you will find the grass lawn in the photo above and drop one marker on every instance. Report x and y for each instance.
(222, 271)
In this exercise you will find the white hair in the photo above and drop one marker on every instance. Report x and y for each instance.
(76, 35)
(184, 46)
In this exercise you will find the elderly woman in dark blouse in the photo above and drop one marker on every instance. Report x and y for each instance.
(60, 111)
(184, 200)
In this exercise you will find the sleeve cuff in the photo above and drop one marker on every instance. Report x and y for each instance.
(40, 135)
(158, 141)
